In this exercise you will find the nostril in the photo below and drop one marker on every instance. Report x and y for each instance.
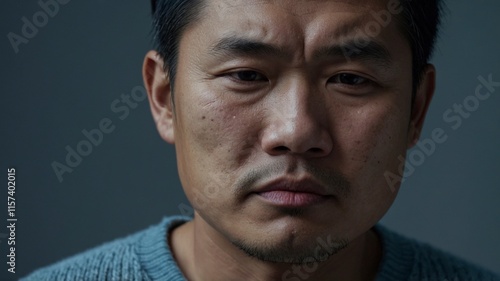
(282, 148)
(316, 150)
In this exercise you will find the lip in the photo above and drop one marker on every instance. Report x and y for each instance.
(293, 193)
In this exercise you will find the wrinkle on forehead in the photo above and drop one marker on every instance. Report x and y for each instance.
(300, 28)
(299, 8)
(305, 14)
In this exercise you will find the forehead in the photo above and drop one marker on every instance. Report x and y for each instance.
(291, 23)
(294, 7)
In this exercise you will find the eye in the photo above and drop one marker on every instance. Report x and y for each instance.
(248, 76)
(348, 79)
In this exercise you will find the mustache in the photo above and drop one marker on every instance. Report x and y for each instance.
(334, 182)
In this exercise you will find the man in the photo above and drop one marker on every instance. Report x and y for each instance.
(287, 118)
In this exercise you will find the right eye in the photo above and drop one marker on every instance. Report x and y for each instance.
(248, 76)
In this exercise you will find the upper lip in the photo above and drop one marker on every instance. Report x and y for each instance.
(293, 185)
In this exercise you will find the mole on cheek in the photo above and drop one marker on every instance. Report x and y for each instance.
(204, 117)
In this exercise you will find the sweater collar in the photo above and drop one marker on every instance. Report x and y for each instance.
(157, 260)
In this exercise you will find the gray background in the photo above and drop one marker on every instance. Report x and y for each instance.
(66, 77)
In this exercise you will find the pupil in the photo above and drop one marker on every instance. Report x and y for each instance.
(247, 75)
(349, 79)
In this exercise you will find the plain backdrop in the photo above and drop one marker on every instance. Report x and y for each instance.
(67, 77)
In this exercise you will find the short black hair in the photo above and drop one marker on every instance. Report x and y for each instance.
(170, 19)
(420, 22)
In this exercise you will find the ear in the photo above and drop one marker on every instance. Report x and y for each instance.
(423, 97)
(157, 85)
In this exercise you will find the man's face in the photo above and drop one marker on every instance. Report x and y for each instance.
(282, 132)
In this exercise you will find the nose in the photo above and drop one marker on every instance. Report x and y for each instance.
(297, 121)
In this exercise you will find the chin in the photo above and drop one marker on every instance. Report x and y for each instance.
(291, 246)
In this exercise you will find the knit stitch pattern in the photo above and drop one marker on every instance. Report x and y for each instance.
(146, 256)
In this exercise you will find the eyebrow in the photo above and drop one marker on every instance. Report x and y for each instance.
(236, 46)
(368, 51)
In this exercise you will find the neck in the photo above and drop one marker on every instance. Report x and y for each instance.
(204, 254)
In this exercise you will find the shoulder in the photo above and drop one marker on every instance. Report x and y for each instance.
(420, 261)
(126, 258)
(113, 258)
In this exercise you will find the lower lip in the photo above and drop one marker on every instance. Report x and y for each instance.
(292, 199)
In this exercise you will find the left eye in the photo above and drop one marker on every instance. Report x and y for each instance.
(248, 76)
(348, 79)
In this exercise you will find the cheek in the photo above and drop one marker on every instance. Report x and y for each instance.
(374, 138)
(211, 138)
(215, 130)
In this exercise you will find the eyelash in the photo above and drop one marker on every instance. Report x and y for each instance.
(336, 79)
(236, 76)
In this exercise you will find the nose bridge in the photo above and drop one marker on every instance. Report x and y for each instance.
(299, 122)
(301, 102)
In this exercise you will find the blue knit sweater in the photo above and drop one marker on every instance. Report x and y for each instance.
(146, 256)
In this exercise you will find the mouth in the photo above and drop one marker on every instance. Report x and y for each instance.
(293, 194)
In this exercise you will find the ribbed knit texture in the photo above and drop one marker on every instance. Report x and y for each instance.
(407, 259)
(146, 256)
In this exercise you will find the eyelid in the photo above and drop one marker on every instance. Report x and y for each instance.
(237, 85)
(357, 90)
(365, 77)
(232, 74)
